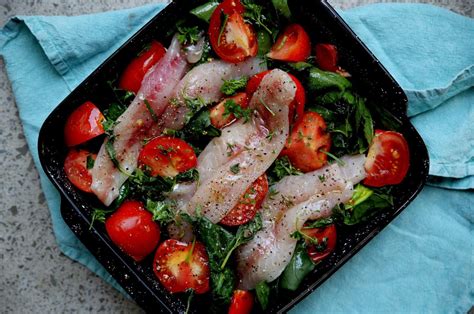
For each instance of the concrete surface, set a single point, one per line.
(34, 275)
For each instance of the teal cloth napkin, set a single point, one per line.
(423, 261)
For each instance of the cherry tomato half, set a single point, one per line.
(388, 159)
(300, 96)
(326, 242)
(167, 156)
(75, 166)
(217, 114)
(241, 303)
(133, 230)
(307, 141)
(132, 77)
(181, 266)
(327, 56)
(249, 203)
(83, 124)
(293, 45)
(231, 38)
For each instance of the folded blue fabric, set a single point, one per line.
(424, 260)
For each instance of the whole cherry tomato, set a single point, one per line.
(132, 229)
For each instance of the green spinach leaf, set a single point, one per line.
(320, 80)
(263, 293)
(300, 265)
(205, 11)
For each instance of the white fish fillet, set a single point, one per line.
(300, 198)
(220, 188)
(204, 82)
(134, 124)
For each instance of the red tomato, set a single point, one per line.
(300, 96)
(133, 230)
(132, 77)
(76, 170)
(218, 119)
(167, 156)
(181, 266)
(307, 141)
(293, 45)
(327, 238)
(83, 124)
(241, 303)
(236, 40)
(326, 56)
(249, 203)
(388, 159)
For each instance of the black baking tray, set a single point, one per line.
(370, 79)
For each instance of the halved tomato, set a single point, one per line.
(75, 166)
(297, 104)
(388, 159)
(132, 229)
(218, 117)
(231, 38)
(132, 77)
(181, 266)
(167, 156)
(326, 238)
(307, 143)
(249, 203)
(293, 45)
(241, 303)
(83, 124)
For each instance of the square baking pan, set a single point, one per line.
(369, 78)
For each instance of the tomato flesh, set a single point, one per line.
(236, 40)
(388, 159)
(133, 230)
(132, 76)
(241, 303)
(326, 242)
(293, 45)
(307, 143)
(217, 115)
(249, 203)
(75, 166)
(297, 104)
(83, 124)
(167, 156)
(179, 266)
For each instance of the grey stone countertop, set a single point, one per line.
(34, 275)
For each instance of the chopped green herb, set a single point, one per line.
(231, 107)
(230, 149)
(163, 212)
(230, 87)
(270, 136)
(322, 178)
(235, 169)
(153, 115)
(99, 215)
(272, 193)
(253, 14)
(188, 35)
(281, 168)
(339, 161)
